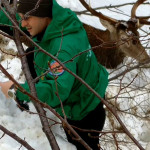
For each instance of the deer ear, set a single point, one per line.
(108, 25)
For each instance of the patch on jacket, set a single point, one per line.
(55, 68)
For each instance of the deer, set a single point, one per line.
(121, 38)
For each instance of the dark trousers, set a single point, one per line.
(94, 120)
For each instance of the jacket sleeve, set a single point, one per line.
(47, 88)
(4, 20)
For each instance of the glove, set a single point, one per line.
(22, 105)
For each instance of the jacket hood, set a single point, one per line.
(64, 21)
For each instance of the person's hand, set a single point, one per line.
(5, 86)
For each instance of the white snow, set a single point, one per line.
(28, 126)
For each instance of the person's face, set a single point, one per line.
(33, 24)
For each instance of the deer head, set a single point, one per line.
(119, 40)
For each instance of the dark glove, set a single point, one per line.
(22, 105)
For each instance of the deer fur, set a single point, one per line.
(107, 55)
(115, 44)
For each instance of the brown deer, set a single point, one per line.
(121, 38)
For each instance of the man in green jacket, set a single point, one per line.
(58, 31)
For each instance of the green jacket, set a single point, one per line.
(64, 38)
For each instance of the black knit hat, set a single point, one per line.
(44, 9)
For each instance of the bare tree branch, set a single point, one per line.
(18, 139)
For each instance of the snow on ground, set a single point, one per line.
(28, 126)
